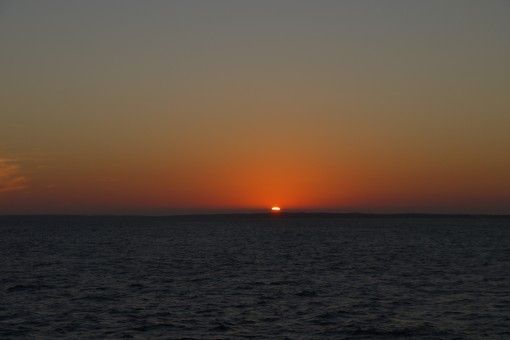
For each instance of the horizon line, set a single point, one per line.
(266, 214)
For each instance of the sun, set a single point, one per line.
(275, 209)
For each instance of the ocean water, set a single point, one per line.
(255, 276)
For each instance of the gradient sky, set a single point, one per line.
(198, 106)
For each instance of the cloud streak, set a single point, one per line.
(11, 178)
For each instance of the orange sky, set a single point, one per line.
(187, 107)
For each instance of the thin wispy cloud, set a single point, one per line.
(11, 178)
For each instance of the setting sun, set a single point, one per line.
(275, 209)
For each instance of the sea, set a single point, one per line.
(261, 276)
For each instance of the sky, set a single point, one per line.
(163, 107)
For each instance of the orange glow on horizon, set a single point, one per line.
(275, 209)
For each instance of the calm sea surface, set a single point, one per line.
(260, 277)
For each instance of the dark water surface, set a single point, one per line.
(261, 277)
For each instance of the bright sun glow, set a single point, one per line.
(275, 209)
